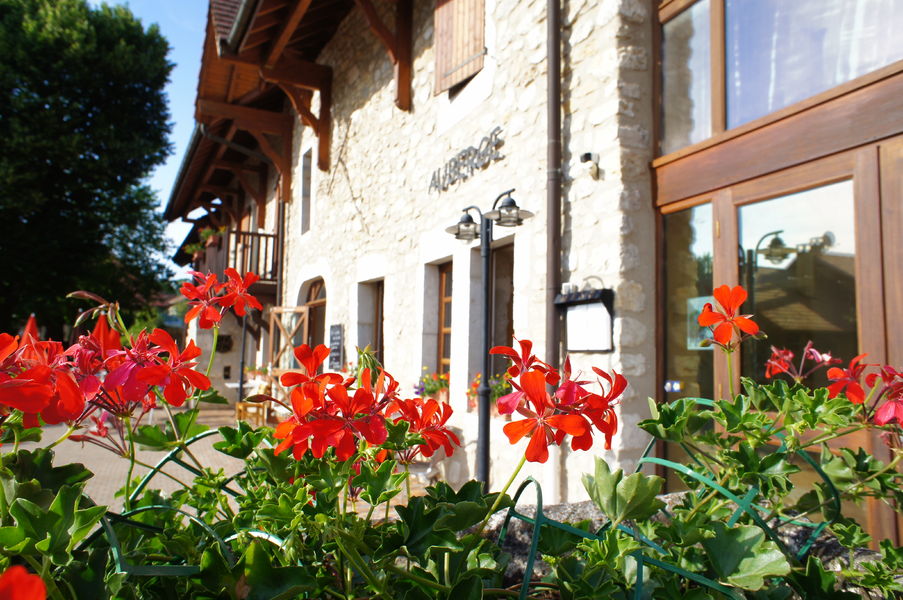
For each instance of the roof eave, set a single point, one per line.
(171, 213)
(240, 25)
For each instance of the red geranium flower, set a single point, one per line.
(848, 380)
(177, 375)
(724, 321)
(428, 418)
(542, 424)
(17, 583)
(779, 362)
(237, 295)
(203, 298)
(524, 360)
(125, 367)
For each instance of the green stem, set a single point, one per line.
(730, 374)
(708, 497)
(15, 440)
(826, 437)
(162, 472)
(500, 592)
(407, 480)
(62, 439)
(42, 570)
(128, 480)
(498, 499)
(212, 350)
(417, 578)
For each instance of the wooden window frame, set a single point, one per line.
(853, 134)
(379, 289)
(443, 354)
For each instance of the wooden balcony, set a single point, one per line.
(256, 253)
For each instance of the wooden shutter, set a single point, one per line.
(459, 41)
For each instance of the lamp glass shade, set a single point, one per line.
(508, 213)
(465, 229)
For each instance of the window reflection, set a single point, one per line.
(688, 286)
(686, 78)
(780, 52)
(797, 260)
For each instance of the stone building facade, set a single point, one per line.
(658, 171)
(373, 216)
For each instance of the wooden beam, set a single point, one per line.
(300, 73)
(256, 192)
(300, 99)
(324, 128)
(220, 191)
(398, 44)
(280, 159)
(285, 34)
(231, 165)
(245, 117)
(379, 28)
(404, 25)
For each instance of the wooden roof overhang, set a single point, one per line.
(253, 50)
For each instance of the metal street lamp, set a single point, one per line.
(506, 213)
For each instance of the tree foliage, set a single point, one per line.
(83, 120)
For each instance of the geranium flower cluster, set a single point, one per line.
(571, 409)
(781, 363)
(209, 298)
(330, 411)
(99, 380)
(885, 389)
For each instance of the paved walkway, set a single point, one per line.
(110, 469)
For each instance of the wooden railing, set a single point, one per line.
(254, 252)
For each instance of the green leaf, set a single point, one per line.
(818, 582)
(211, 396)
(558, 542)
(742, 556)
(239, 442)
(151, 437)
(622, 498)
(26, 465)
(675, 421)
(379, 485)
(469, 588)
(269, 582)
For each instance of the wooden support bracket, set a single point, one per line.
(299, 79)
(398, 44)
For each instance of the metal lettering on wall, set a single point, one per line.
(464, 163)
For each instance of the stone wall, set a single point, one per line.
(374, 216)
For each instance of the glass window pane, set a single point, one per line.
(780, 52)
(798, 255)
(688, 286)
(687, 82)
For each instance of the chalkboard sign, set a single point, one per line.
(335, 348)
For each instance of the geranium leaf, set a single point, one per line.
(622, 498)
(742, 556)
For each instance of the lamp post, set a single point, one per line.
(506, 213)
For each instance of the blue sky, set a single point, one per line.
(182, 22)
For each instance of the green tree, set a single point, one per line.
(83, 120)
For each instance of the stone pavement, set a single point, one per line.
(110, 469)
